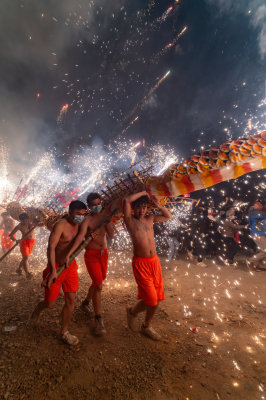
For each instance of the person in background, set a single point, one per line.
(7, 225)
(26, 244)
(230, 245)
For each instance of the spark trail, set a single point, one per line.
(145, 98)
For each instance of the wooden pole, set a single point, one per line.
(15, 245)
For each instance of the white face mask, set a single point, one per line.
(96, 209)
(78, 219)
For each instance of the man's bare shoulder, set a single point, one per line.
(149, 218)
(87, 220)
(61, 224)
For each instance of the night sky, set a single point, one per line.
(102, 57)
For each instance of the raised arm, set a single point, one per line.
(165, 214)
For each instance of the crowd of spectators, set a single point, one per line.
(219, 231)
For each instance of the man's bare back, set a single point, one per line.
(24, 229)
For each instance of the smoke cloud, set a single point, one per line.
(255, 9)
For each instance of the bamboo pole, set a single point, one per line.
(15, 245)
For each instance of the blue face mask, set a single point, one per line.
(78, 219)
(96, 209)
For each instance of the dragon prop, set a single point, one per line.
(228, 161)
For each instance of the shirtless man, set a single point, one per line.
(7, 225)
(146, 264)
(60, 241)
(95, 257)
(26, 245)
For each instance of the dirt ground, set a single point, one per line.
(212, 323)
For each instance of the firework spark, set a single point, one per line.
(62, 113)
(156, 57)
(145, 98)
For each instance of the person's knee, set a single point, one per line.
(49, 304)
(98, 288)
(152, 302)
(70, 301)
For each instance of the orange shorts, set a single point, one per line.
(148, 275)
(68, 279)
(96, 262)
(6, 242)
(26, 247)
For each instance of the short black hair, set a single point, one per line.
(93, 196)
(143, 200)
(23, 216)
(4, 214)
(77, 205)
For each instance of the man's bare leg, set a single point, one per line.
(25, 263)
(19, 270)
(139, 307)
(90, 293)
(149, 314)
(97, 299)
(146, 328)
(99, 328)
(67, 311)
(132, 312)
(87, 302)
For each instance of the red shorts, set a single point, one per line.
(6, 242)
(68, 279)
(96, 262)
(148, 275)
(26, 247)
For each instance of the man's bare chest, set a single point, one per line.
(68, 236)
(142, 227)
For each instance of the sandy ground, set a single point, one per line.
(212, 321)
